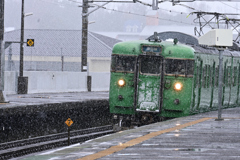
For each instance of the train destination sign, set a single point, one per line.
(30, 42)
(69, 122)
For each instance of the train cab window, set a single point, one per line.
(123, 63)
(181, 67)
(150, 65)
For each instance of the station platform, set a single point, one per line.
(41, 114)
(16, 100)
(193, 137)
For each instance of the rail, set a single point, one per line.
(32, 145)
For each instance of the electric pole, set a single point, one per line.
(21, 41)
(84, 36)
(2, 55)
(22, 81)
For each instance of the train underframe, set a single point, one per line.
(121, 121)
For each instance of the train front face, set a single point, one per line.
(178, 80)
(143, 83)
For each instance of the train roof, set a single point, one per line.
(214, 51)
(186, 48)
(169, 49)
(192, 41)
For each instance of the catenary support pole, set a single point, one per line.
(21, 41)
(84, 36)
(220, 85)
(2, 54)
(22, 81)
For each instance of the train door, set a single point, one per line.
(149, 86)
(197, 85)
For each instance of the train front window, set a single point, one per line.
(151, 65)
(123, 63)
(179, 67)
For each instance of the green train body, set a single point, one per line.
(151, 73)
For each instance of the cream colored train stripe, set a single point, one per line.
(138, 140)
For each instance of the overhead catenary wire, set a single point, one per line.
(230, 6)
(137, 14)
(146, 4)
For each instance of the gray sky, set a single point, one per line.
(52, 11)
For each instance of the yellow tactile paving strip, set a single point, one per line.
(138, 140)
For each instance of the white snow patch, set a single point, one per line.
(52, 151)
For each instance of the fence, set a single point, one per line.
(54, 81)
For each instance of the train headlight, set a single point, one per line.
(178, 86)
(121, 82)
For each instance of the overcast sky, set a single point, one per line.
(51, 8)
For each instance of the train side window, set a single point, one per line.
(229, 76)
(204, 77)
(208, 76)
(196, 78)
(226, 77)
(213, 75)
(216, 76)
(235, 76)
(190, 67)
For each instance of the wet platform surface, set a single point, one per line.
(194, 137)
(48, 98)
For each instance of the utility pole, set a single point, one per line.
(84, 65)
(2, 55)
(84, 36)
(21, 41)
(22, 81)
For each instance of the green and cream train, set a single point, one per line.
(152, 79)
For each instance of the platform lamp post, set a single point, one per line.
(220, 39)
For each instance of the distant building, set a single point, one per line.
(56, 50)
(133, 26)
(152, 18)
(152, 24)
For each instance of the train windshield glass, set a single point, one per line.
(123, 63)
(182, 67)
(151, 65)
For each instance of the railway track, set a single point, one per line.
(32, 145)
